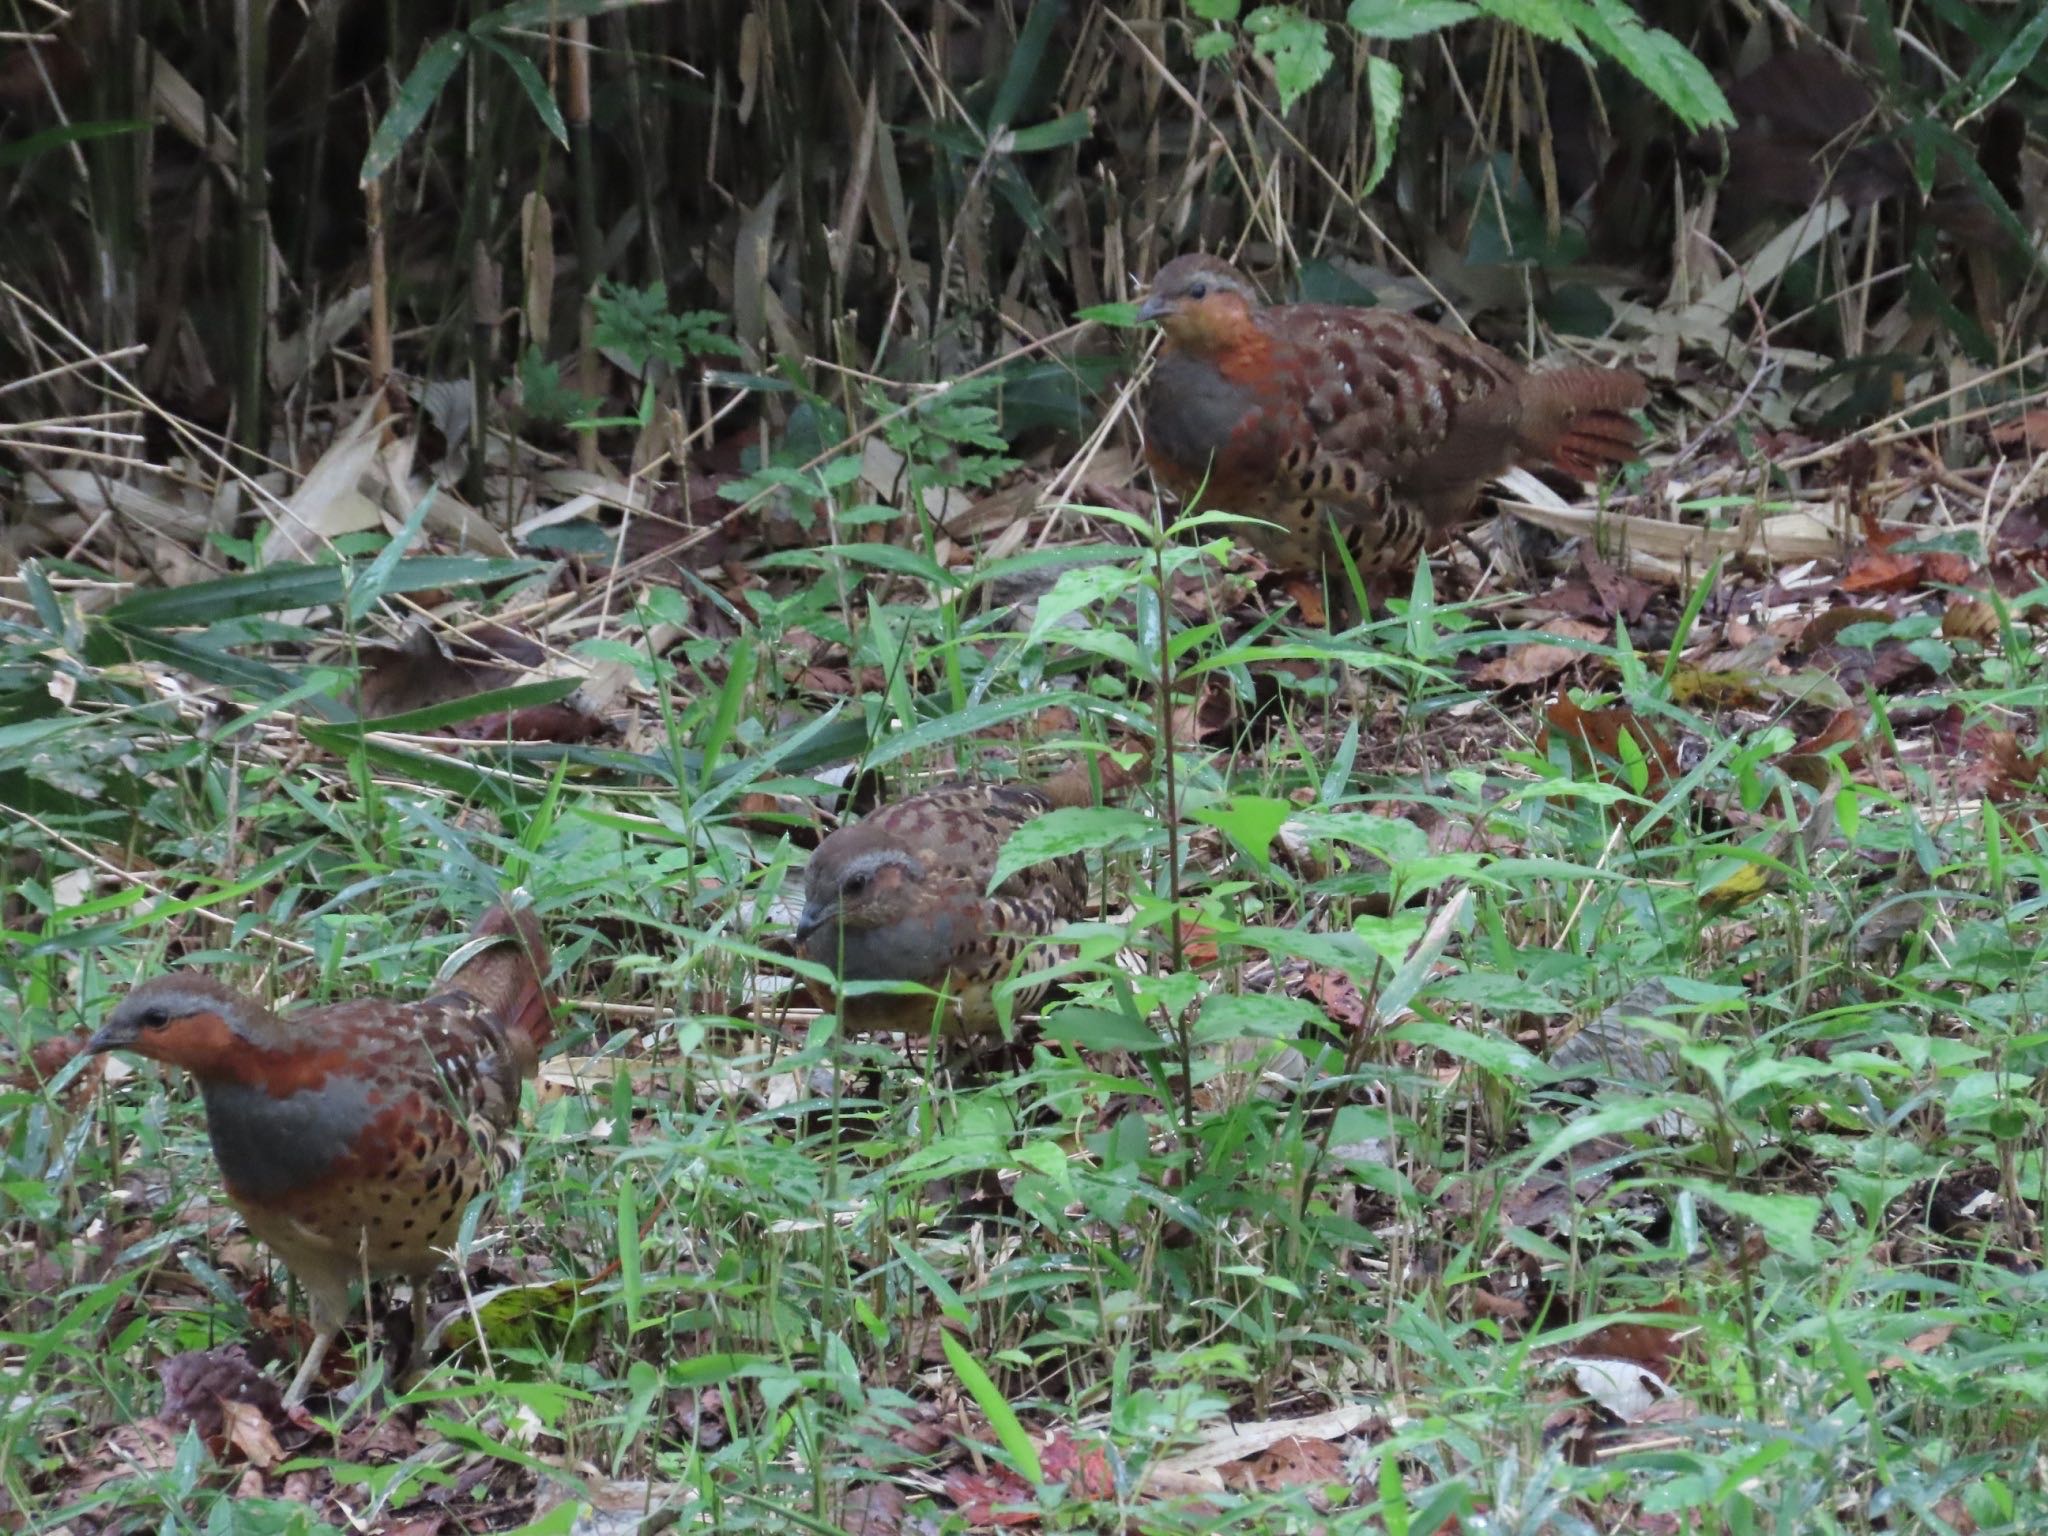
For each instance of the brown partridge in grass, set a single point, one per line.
(1291, 411)
(351, 1137)
(902, 896)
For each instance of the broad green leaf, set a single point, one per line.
(953, 725)
(2015, 56)
(1489, 1052)
(28, 732)
(22, 151)
(1396, 19)
(1789, 1221)
(1121, 315)
(1250, 821)
(214, 665)
(531, 15)
(1027, 61)
(1384, 84)
(1215, 10)
(1228, 1016)
(1659, 62)
(416, 99)
(1073, 829)
(1298, 45)
(1548, 19)
(1070, 129)
(366, 589)
(283, 587)
(732, 699)
(995, 1408)
(1082, 588)
(950, 1304)
(893, 558)
(1098, 1029)
(454, 775)
(1386, 837)
(528, 76)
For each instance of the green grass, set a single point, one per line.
(1202, 1198)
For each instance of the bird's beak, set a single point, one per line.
(116, 1034)
(813, 919)
(1156, 307)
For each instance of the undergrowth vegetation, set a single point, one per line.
(1560, 1056)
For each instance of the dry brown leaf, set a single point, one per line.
(1536, 662)
(247, 1430)
(1594, 737)
(1295, 1462)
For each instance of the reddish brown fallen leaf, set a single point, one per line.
(1205, 717)
(1502, 1309)
(1823, 627)
(2012, 771)
(2025, 433)
(1807, 760)
(1295, 1462)
(1593, 737)
(1081, 1467)
(993, 1498)
(1522, 665)
(1338, 996)
(1881, 567)
(1882, 571)
(1920, 1344)
(1308, 598)
(872, 1509)
(249, 1432)
(834, 681)
(1970, 618)
(1197, 951)
(1653, 1348)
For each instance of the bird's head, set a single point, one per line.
(188, 1021)
(858, 888)
(1200, 300)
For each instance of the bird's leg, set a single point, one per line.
(295, 1394)
(416, 1357)
(327, 1299)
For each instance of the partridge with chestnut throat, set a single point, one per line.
(351, 1137)
(902, 896)
(1292, 412)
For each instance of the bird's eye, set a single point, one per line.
(155, 1018)
(854, 885)
(1198, 290)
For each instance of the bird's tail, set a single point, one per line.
(1075, 784)
(509, 977)
(1577, 419)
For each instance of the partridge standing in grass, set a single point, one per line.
(352, 1136)
(1289, 412)
(903, 896)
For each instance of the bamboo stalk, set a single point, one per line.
(252, 249)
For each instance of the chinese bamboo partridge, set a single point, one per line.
(1290, 412)
(352, 1136)
(902, 896)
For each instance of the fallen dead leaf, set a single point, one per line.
(1295, 1462)
(1534, 662)
(248, 1431)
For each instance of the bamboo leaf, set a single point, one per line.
(536, 89)
(1002, 1418)
(278, 589)
(416, 99)
(364, 591)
